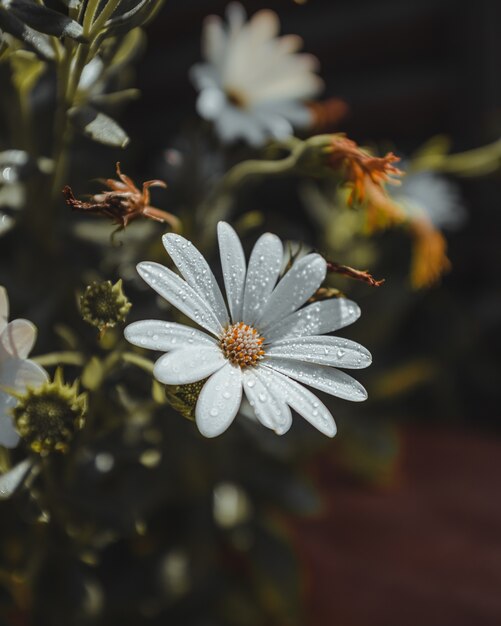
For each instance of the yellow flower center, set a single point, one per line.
(242, 345)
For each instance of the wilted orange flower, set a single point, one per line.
(124, 202)
(429, 256)
(360, 168)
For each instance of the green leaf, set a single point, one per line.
(72, 4)
(116, 98)
(26, 70)
(36, 41)
(92, 374)
(46, 20)
(137, 16)
(127, 50)
(98, 126)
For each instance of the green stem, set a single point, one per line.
(59, 358)
(139, 361)
(486, 159)
(105, 14)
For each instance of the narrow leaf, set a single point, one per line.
(36, 41)
(46, 20)
(98, 126)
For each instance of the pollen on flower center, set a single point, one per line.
(242, 345)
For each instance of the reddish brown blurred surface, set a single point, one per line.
(425, 553)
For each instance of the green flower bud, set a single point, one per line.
(104, 305)
(184, 398)
(47, 417)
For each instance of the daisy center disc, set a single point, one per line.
(242, 345)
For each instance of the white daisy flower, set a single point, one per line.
(430, 195)
(253, 84)
(16, 370)
(264, 344)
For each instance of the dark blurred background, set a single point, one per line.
(422, 546)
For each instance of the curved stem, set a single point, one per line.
(59, 358)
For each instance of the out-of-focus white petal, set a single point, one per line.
(20, 373)
(9, 438)
(267, 402)
(188, 365)
(295, 288)
(210, 103)
(262, 275)
(6, 223)
(165, 336)
(324, 350)
(322, 377)
(204, 76)
(317, 318)
(235, 124)
(4, 308)
(214, 40)
(305, 403)
(236, 16)
(296, 113)
(264, 25)
(234, 268)
(12, 479)
(177, 291)
(219, 401)
(18, 338)
(197, 273)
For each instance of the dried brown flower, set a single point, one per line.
(350, 272)
(123, 202)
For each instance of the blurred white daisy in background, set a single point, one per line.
(16, 371)
(264, 346)
(253, 84)
(432, 196)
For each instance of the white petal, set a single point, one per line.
(15, 374)
(197, 273)
(320, 377)
(305, 403)
(213, 40)
(165, 336)
(317, 318)
(204, 76)
(19, 337)
(264, 25)
(177, 291)
(322, 349)
(268, 404)
(9, 437)
(233, 264)
(262, 275)
(21, 373)
(219, 401)
(6, 223)
(233, 124)
(11, 480)
(188, 365)
(299, 284)
(4, 308)
(211, 103)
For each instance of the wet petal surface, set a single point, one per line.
(219, 401)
